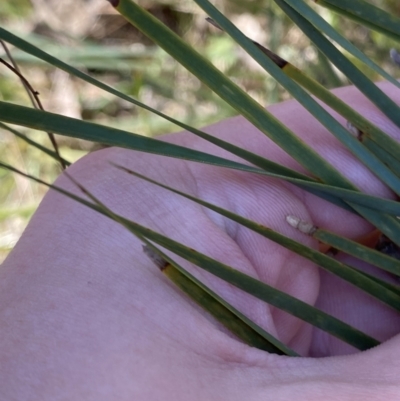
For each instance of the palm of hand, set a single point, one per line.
(103, 318)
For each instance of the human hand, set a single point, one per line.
(86, 316)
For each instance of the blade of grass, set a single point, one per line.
(357, 120)
(237, 323)
(230, 92)
(374, 139)
(93, 132)
(32, 94)
(226, 314)
(370, 131)
(364, 84)
(307, 12)
(366, 14)
(335, 267)
(365, 155)
(306, 100)
(45, 150)
(359, 79)
(339, 243)
(246, 283)
(230, 317)
(85, 130)
(372, 202)
(356, 198)
(387, 224)
(391, 287)
(360, 251)
(75, 128)
(54, 61)
(282, 301)
(356, 249)
(252, 158)
(382, 152)
(81, 129)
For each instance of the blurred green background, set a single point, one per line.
(90, 35)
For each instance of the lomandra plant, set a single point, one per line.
(371, 145)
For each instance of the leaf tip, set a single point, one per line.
(155, 258)
(212, 22)
(114, 3)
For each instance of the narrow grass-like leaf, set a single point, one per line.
(62, 125)
(366, 14)
(362, 252)
(86, 130)
(100, 57)
(382, 146)
(230, 92)
(81, 129)
(37, 52)
(246, 155)
(48, 152)
(357, 120)
(303, 97)
(226, 314)
(307, 12)
(364, 84)
(270, 295)
(373, 239)
(246, 283)
(29, 48)
(392, 161)
(367, 129)
(365, 155)
(391, 287)
(332, 265)
(43, 120)
(254, 159)
(230, 317)
(387, 224)
(356, 198)
(32, 94)
(288, 304)
(251, 157)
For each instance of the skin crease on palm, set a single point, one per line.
(85, 315)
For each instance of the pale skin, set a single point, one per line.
(85, 315)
